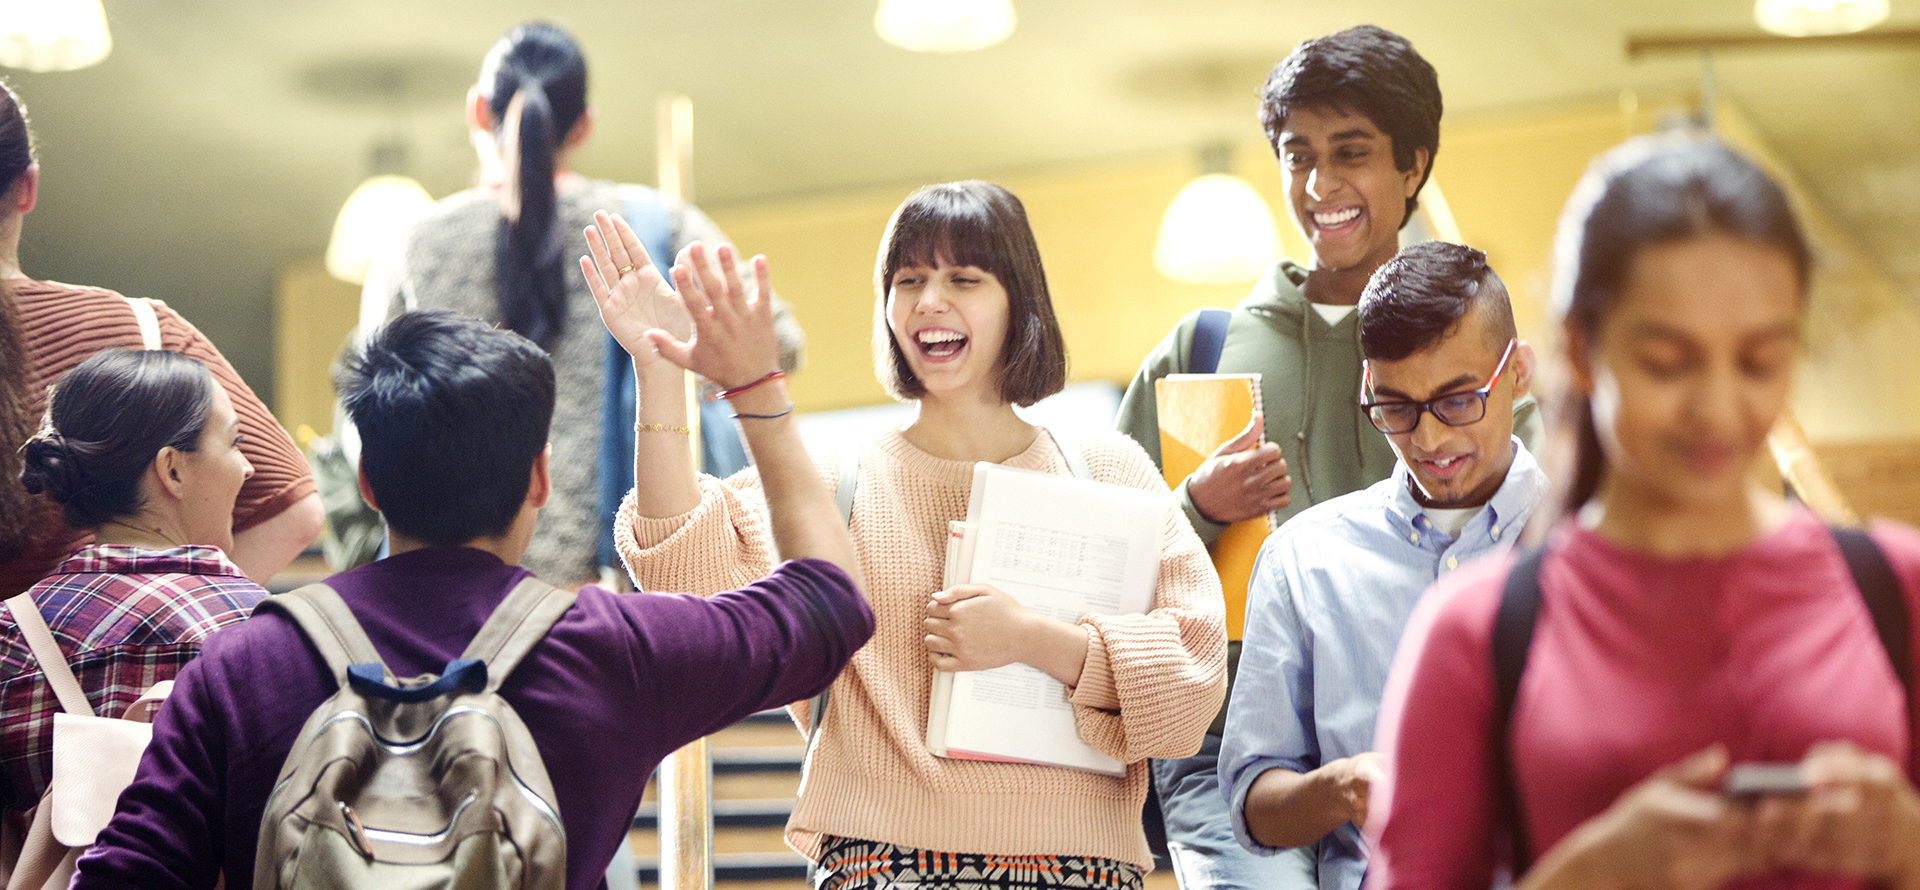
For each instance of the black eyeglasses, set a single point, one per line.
(1453, 409)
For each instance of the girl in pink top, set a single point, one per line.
(965, 330)
(1689, 618)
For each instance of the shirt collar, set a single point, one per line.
(119, 559)
(1509, 507)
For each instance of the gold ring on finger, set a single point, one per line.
(625, 269)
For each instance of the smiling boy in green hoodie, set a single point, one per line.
(1354, 121)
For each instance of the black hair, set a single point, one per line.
(16, 138)
(1648, 191)
(1419, 296)
(973, 223)
(535, 83)
(18, 381)
(106, 421)
(452, 414)
(1366, 70)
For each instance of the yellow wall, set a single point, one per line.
(1095, 226)
(1505, 178)
(313, 313)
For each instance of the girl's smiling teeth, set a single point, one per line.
(1334, 219)
(939, 342)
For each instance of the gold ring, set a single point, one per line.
(625, 269)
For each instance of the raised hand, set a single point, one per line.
(733, 342)
(632, 293)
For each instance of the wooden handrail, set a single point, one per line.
(686, 777)
(1805, 478)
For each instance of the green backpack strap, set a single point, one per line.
(323, 616)
(516, 626)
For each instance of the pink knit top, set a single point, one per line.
(1151, 682)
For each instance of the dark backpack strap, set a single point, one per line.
(323, 616)
(516, 626)
(1209, 336)
(1512, 636)
(1887, 603)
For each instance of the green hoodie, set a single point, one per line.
(1309, 389)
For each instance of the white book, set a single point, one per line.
(1063, 547)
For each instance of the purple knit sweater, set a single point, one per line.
(620, 682)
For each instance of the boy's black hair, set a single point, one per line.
(1414, 300)
(1363, 70)
(452, 414)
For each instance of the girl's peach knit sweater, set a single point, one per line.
(1151, 683)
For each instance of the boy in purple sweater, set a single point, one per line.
(454, 418)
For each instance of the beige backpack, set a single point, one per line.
(422, 783)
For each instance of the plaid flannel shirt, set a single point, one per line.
(126, 618)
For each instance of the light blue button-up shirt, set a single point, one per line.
(1330, 595)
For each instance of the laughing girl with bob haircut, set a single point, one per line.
(964, 329)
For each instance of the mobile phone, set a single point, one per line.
(1751, 780)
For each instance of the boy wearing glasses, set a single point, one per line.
(1332, 588)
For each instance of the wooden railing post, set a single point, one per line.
(686, 777)
(686, 819)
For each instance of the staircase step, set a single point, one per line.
(767, 759)
(730, 813)
(738, 867)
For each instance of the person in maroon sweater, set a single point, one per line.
(453, 417)
(1690, 619)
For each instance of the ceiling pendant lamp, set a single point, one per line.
(375, 216)
(53, 35)
(944, 26)
(1217, 230)
(1812, 18)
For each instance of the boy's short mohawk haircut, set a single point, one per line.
(1365, 70)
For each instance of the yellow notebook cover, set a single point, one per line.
(1197, 413)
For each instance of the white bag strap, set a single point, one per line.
(53, 663)
(1070, 452)
(149, 322)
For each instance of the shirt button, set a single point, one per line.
(1496, 532)
(1415, 537)
(1452, 563)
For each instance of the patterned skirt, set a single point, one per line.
(848, 864)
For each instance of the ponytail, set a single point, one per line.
(532, 286)
(535, 83)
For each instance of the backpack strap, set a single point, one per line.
(842, 500)
(1070, 452)
(148, 319)
(323, 616)
(519, 623)
(1512, 636)
(1885, 601)
(53, 662)
(1520, 608)
(849, 480)
(1209, 337)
